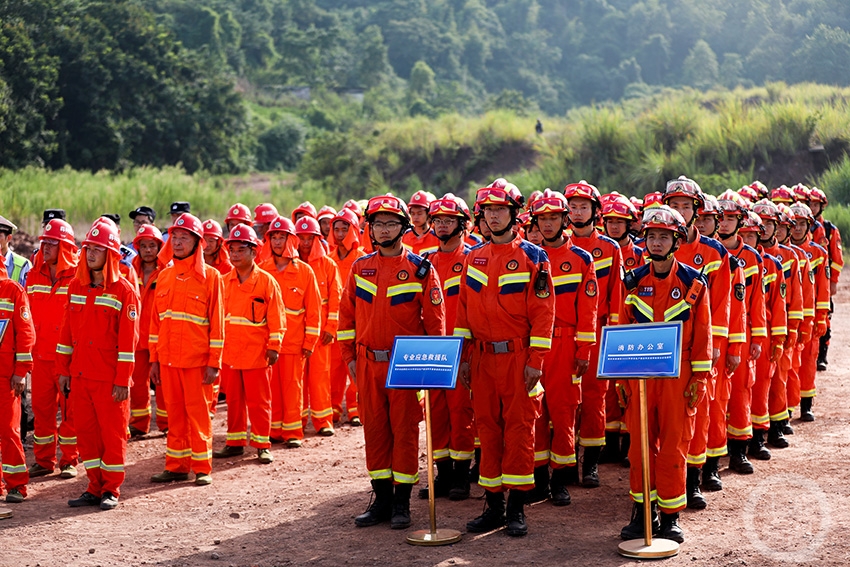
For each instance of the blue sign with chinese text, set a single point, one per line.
(651, 350)
(426, 362)
(3, 324)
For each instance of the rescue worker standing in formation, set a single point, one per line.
(420, 237)
(253, 328)
(186, 340)
(827, 235)
(666, 290)
(47, 288)
(506, 314)
(95, 355)
(389, 292)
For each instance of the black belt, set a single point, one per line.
(378, 355)
(503, 347)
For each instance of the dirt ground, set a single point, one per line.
(299, 511)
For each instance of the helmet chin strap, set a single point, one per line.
(507, 228)
(668, 255)
(452, 234)
(583, 224)
(535, 222)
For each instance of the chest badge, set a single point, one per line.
(698, 260)
(457, 268)
(512, 265)
(403, 275)
(630, 262)
(597, 252)
(566, 267)
(676, 293)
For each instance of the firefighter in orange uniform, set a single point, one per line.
(420, 238)
(17, 338)
(148, 243)
(345, 232)
(95, 356)
(237, 214)
(215, 252)
(828, 236)
(253, 330)
(302, 304)
(575, 287)
(47, 288)
(186, 340)
(585, 208)
(506, 314)
(325, 216)
(305, 209)
(390, 292)
(317, 374)
(667, 290)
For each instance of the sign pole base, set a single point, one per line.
(658, 549)
(441, 537)
(5, 513)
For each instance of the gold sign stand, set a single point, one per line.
(5, 513)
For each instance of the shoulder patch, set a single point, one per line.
(436, 296)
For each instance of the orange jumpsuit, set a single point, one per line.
(254, 323)
(452, 428)
(775, 293)
(427, 243)
(47, 300)
(832, 244)
(140, 393)
(576, 288)
(819, 275)
(607, 261)
(317, 374)
(96, 349)
(507, 314)
(671, 421)
(804, 334)
(221, 261)
(383, 298)
(302, 304)
(339, 370)
(187, 337)
(16, 346)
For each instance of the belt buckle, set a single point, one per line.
(381, 355)
(501, 347)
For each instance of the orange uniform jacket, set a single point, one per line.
(753, 266)
(575, 286)
(222, 264)
(345, 264)
(449, 267)
(187, 322)
(100, 330)
(147, 292)
(47, 302)
(775, 296)
(710, 258)
(330, 291)
(737, 311)
(17, 342)
(793, 284)
(253, 319)
(607, 261)
(632, 255)
(302, 303)
(819, 275)
(808, 289)
(832, 244)
(428, 243)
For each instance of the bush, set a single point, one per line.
(282, 145)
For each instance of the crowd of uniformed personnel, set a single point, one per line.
(292, 319)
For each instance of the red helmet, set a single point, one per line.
(710, 206)
(326, 212)
(760, 188)
(239, 212)
(732, 203)
(818, 196)
(387, 204)
(212, 228)
(354, 206)
(188, 221)
(451, 206)
(499, 183)
(281, 224)
(637, 202)
(802, 211)
(347, 215)
(786, 215)
(663, 216)
(583, 190)
(243, 233)
(536, 194)
(507, 195)
(265, 213)
(752, 223)
(782, 194)
(148, 231)
(619, 208)
(801, 192)
(421, 199)
(305, 208)
(307, 225)
(60, 230)
(103, 234)
(684, 187)
(524, 219)
(651, 200)
(549, 202)
(748, 193)
(766, 210)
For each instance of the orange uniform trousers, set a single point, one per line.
(140, 396)
(452, 434)
(777, 399)
(14, 465)
(765, 370)
(287, 397)
(562, 396)
(46, 397)
(670, 425)
(739, 420)
(593, 391)
(317, 388)
(793, 386)
(101, 434)
(249, 397)
(390, 423)
(615, 420)
(504, 414)
(698, 448)
(808, 368)
(339, 378)
(189, 443)
(718, 403)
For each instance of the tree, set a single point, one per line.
(422, 82)
(700, 68)
(654, 58)
(374, 65)
(731, 70)
(823, 57)
(282, 145)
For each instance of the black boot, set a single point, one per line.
(589, 469)
(473, 470)
(756, 446)
(460, 485)
(540, 492)
(738, 461)
(806, 409)
(381, 507)
(786, 424)
(442, 482)
(625, 443)
(823, 349)
(401, 507)
(775, 436)
(493, 517)
(670, 528)
(515, 514)
(572, 476)
(696, 501)
(560, 494)
(635, 528)
(710, 476)
(611, 451)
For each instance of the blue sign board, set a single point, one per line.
(3, 324)
(426, 362)
(651, 350)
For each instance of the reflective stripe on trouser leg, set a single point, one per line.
(45, 399)
(761, 388)
(777, 397)
(793, 383)
(716, 446)
(258, 392)
(287, 397)
(698, 450)
(237, 410)
(738, 424)
(808, 369)
(14, 465)
(339, 380)
(560, 401)
(591, 429)
(189, 442)
(161, 410)
(441, 428)
(317, 387)
(140, 392)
